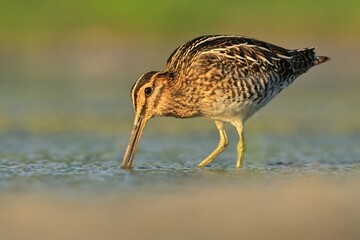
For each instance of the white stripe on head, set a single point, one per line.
(141, 81)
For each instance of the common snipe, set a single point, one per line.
(224, 78)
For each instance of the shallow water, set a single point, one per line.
(71, 186)
(88, 163)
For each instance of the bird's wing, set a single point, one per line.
(248, 60)
(249, 52)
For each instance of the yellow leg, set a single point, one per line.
(241, 147)
(221, 146)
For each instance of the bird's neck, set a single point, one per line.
(175, 104)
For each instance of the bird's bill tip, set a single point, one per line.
(139, 124)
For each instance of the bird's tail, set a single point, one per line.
(320, 60)
(305, 58)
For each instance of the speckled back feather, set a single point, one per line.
(246, 50)
(258, 69)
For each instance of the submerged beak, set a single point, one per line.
(136, 133)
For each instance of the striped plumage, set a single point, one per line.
(221, 77)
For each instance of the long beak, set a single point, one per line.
(136, 133)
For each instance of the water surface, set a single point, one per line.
(89, 163)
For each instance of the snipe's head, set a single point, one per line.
(147, 96)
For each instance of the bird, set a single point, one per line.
(224, 78)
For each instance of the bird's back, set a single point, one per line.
(246, 51)
(247, 71)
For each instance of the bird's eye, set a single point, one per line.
(148, 91)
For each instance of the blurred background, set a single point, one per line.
(66, 70)
(69, 66)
